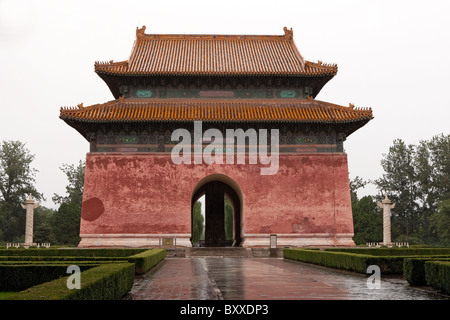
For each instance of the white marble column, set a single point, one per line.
(386, 206)
(30, 205)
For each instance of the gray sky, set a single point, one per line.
(392, 56)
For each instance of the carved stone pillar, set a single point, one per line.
(386, 206)
(30, 205)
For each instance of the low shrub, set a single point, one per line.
(420, 246)
(352, 261)
(146, 260)
(59, 258)
(395, 251)
(17, 277)
(437, 275)
(105, 282)
(346, 261)
(388, 264)
(74, 252)
(414, 268)
(41, 271)
(7, 295)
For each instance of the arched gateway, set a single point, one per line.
(217, 189)
(239, 110)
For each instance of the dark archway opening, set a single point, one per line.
(218, 197)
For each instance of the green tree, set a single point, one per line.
(66, 224)
(426, 189)
(198, 223)
(74, 190)
(439, 148)
(355, 184)
(399, 182)
(228, 223)
(43, 231)
(367, 220)
(417, 179)
(17, 179)
(438, 189)
(441, 222)
(66, 221)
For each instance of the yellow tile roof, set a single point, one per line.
(163, 54)
(219, 110)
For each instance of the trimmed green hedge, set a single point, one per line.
(394, 251)
(65, 262)
(347, 261)
(17, 277)
(414, 268)
(44, 271)
(146, 260)
(437, 275)
(105, 282)
(75, 252)
(59, 258)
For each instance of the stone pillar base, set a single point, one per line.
(300, 240)
(28, 244)
(135, 240)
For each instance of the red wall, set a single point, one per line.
(148, 194)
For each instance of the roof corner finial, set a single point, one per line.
(140, 31)
(288, 32)
(351, 106)
(80, 106)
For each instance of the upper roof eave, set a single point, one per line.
(121, 69)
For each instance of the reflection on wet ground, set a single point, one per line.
(211, 278)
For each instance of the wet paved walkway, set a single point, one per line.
(210, 278)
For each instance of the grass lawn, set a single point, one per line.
(6, 295)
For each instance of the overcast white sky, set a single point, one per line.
(392, 56)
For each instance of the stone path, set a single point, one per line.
(174, 279)
(212, 278)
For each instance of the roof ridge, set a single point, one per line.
(320, 64)
(111, 62)
(141, 35)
